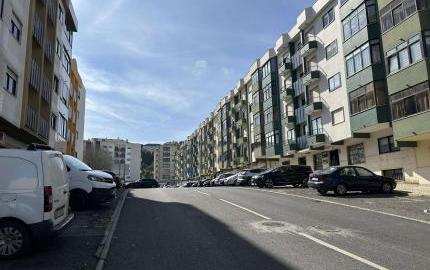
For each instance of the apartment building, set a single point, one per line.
(119, 156)
(347, 84)
(32, 67)
(164, 162)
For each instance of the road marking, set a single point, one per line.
(344, 252)
(246, 209)
(346, 205)
(201, 192)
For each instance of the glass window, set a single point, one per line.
(393, 63)
(403, 58)
(398, 14)
(257, 119)
(348, 171)
(356, 154)
(331, 50)
(334, 82)
(267, 92)
(396, 174)
(268, 116)
(410, 101)
(11, 82)
(350, 66)
(317, 126)
(360, 58)
(416, 52)
(255, 98)
(15, 27)
(365, 53)
(387, 145)
(363, 172)
(328, 18)
(346, 30)
(337, 116)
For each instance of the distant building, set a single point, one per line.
(117, 155)
(164, 162)
(151, 147)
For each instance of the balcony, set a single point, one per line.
(46, 90)
(412, 128)
(31, 119)
(34, 79)
(288, 92)
(285, 67)
(38, 29)
(302, 142)
(290, 147)
(309, 48)
(311, 76)
(238, 106)
(316, 140)
(44, 128)
(289, 119)
(371, 120)
(49, 51)
(315, 107)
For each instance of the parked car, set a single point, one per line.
(219, 180)
(244, 176)
(144, 183)
(118, 182)
(34, 199)
(195, 184)
(87, 185)
(207, 183)
(188, 184)
(295, 175)
(350, 178)
(231, 180)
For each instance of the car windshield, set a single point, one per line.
(76, 163)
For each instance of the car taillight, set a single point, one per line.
(47, 199)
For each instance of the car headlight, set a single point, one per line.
(98, 179)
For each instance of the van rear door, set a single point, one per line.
(56, 177)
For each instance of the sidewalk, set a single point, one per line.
(414, 189)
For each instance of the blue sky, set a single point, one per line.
(154, 69)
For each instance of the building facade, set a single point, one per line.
(164, 162)
(119, 156)
(35, 52)
(347, 84)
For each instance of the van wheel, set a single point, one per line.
(340, 190)
(78, 200)
(14, 239)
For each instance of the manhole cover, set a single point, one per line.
(273, 224)
(326, 229)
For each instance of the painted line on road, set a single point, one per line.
(345, 205)
(344, 252)
(246, 209)
(201, 192)
(104, 246)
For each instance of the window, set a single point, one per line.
(363, 172)
(334, 82)
(62, 126)
(396, 174)
(60, 14)
(166, 159)
(268, 116)
(58, 48)
(255, 98)
(257, 138)
(66, 60)
(56, 84)
(427, 42)
(257, 119)
(166, 154)
(367, 97)
(317, 126)
(387, 145)
(291, 136)
(363, 57)
(15, 27)
(358, 19)
(404, 54)
(272, 138)
(11, 82)
(254, 78)
(331, 50)
(397, 11)
(337, 116)
(348, 171)
(166, 165)
(356, 154)
(266, 70)
(328, 18)
(411, 101)
(166, 148)
(267, 92)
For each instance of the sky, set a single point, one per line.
(155, 69)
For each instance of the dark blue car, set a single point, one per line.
(350, 178)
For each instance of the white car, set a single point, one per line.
(88, 185)
(231, 180)
(34, 199)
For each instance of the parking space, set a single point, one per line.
(75, 248)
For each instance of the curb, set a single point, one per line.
(103, 249)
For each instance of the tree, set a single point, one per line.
(98, 159)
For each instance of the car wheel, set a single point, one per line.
(322, 191)
(268, 183)
(14, 239)
(304, 183)
(387, 188)
(78, 200)
(340, 190)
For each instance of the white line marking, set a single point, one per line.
(344, 252)
(201, 192)
(346, 205)
(246, 209)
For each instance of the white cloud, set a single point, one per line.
(198, 68)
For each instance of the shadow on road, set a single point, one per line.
(170, 235)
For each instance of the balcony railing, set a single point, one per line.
(312, 74)
(46, 90)
(51, 10)
(31, 119)
(49, 51)
(302, 142)
(309, 47)
(34, 75)
(315, 106)
(44, 128)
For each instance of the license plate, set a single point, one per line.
(314, 179)
(59, 212)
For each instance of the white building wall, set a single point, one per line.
(80, 124)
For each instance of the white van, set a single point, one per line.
(34, 199)
(88, 185)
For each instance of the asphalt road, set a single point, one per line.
(242, 228)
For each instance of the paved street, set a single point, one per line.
(247, 228)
